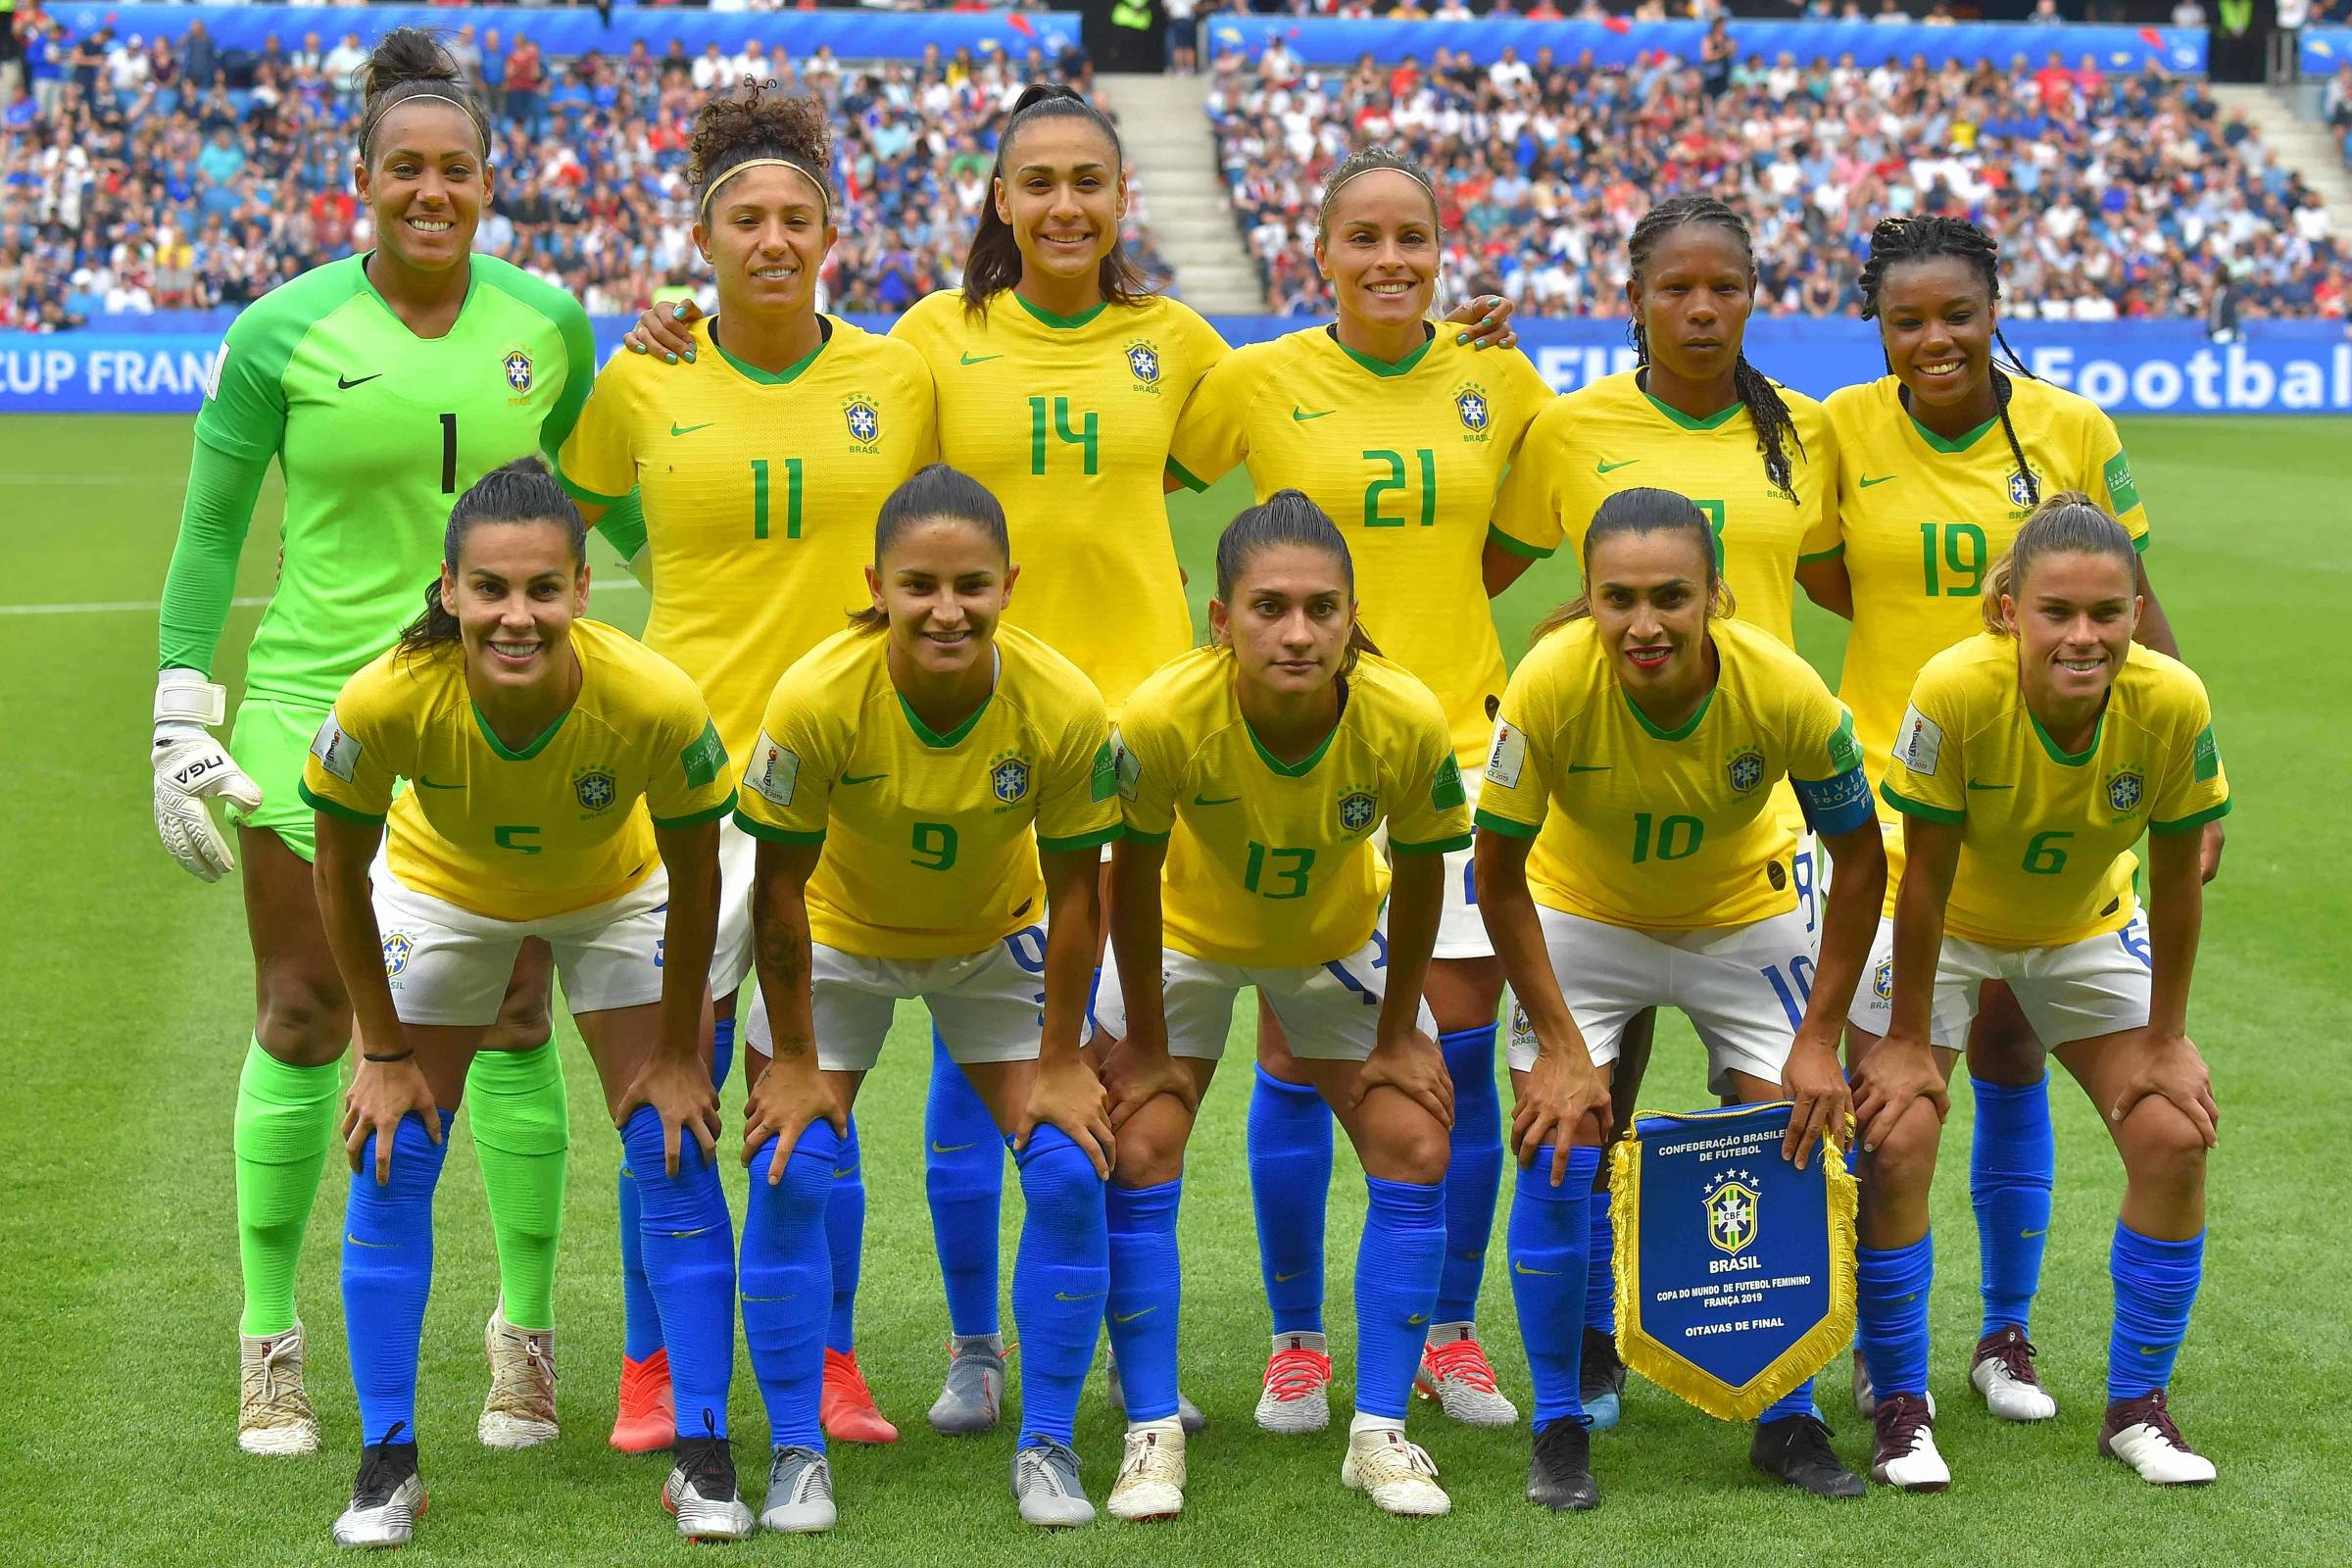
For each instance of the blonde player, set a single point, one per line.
(762, 464)
(1696, 415)
(2032, 758)
(1636, 757)
(564, 784)
(938, 762)
(1941, 461)
(1273, 758)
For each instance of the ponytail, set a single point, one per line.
(993, 263)
(521, 491)
(1639, 511)
(2068, 524)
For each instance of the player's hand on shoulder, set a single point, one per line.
(665, 330)
(192, 768)
(1411, 1064)
(1485, 323)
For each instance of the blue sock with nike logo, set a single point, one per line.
(1550, 1241)
(387, 1274)
(1473, 1171)
(1398, 1266)
(1890, 1313)
(2012, 1162)
(1061, 1278)
(639, 1317)
(1145, 1290)
(2155, 1285)
(1289, 1184)
(845, 1240)
(963, 1176)
(787, 1275)
(688, 1245)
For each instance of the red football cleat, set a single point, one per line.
(647, 1418)
(848, 1407)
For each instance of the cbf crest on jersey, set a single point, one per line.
(1009, 777)
(2021, 490)
(1142, 362)
(1357, 811)
(1745, 770)
(518, 365)
(864, 419)
(2123, 790)
(1732, 1201)
(1470, 405)
(595, 788)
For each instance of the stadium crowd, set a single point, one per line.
(144, 175)
(2113, 196)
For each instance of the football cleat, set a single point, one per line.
(1297, 1393)
(1045, 1478)
(273, 1411)
(974, 1391)
(1399, 1476)
(1795, 1449)
(1151, 1483)
(1560, 1473)
(646, 1420)
(800, 1491)
(1455, 1373)
(701, 1491)
(1600, 1379)
(1904, 1452)
(2140, 1432)
(388, 1498)
(847, 1408)
(2002, 1370)
(520, 1411)
(1185, 1411)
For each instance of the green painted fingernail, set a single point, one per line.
(1461, 337)
(690, 356)
(677, 311)
(672, 358)
(636, 348)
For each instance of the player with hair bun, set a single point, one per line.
(760, 463)
(1627, 832)
(1697, 414)
(384, 384)
(565, 785)
(1941, 461)
(1400, 434)
(1258, 772)
(2031, 758)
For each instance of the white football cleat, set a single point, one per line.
(2140, 1432)
(1298, 1394)
(388, 1498)
(1399, 1476)
(2002, 1370)
(799, 1493)
(520, 1411)
(1045, 1479)
(274, 1411)
(1151, 1483)
(1456, 1372)
(701, 1491)
(1903, 1455)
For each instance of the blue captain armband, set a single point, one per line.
(1835, 805)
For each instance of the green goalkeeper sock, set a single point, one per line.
(520, 1133)
(285, 1123)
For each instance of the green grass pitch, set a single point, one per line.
(128, 988)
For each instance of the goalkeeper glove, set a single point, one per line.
(191, 767)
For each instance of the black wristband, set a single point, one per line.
(402, 1057)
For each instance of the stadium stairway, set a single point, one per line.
(2303, 146)
(1175, 163)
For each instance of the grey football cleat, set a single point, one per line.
(388, 1498)
(1045, 1478)
(968, 1404)
(1187, 1412)
(800, 1491)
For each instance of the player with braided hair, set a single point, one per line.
(1758, 459)
(1943, 458)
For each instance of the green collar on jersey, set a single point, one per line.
(1937, 442)
(1713, 421)
(1061, 324)
(1402, 366)
(473, 280)
(1297, 769)
(931, 737)
(784, 377)
(2066, 758)
(1682, 731)
(506, 752)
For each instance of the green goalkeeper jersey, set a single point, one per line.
(376, 432)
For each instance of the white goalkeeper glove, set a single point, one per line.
(191, 767)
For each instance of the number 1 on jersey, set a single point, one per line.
(792, 498)
(449, 453)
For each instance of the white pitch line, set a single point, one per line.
(150, 606)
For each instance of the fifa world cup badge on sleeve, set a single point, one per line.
(1735, 1269)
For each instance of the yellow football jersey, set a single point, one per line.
(1661, 829)
(561, 824)
(760, 493)
(1922, 520)
(1406, 458)
(2045, 847)
(929, 845)
(1273, 864)
(1611, 436)
(1068, 420)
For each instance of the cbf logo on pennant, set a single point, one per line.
(1731, 1213)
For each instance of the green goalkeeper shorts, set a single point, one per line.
(268, 742)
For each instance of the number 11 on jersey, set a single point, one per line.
(792, 498)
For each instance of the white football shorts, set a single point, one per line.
(449, 965)
(2076, 991)
(731, 959)
(1461, 931)
(1327, 1011)
(988, 1005)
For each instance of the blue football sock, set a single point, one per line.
(1145, 1290)
(1796, 1402)
(1473, 1171)
(1600, 1268)
(688, 1247)
(2011, 1165)
(387, 1274)
(963, 1174)
(2155, 1285)
(1548, 1242)
(1060, 1277)
(787, 1276)
(844, 1240)
(1290, 1181)
(722, 1051)
(1890, 1313)
(1398, 1266)
(640, 1318)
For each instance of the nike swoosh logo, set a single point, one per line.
(839, 1174)
(1301, 416)
(2030, 1235)
(1280, 1278)
(428, 784)
(1605, 465)
(1416, 1320)
(680, 1236)
(1129, 1317)
(373, 1247)
(1083, 1295)
(754, 1301)
(1224, 800)
(868, 779)
(1974, 785)
(1518, 1268)
(2154, 1350)
(1868, 481)
(676, 429)
(1590, 768)
(938, 1147)
(980, 359)
(346, 386)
